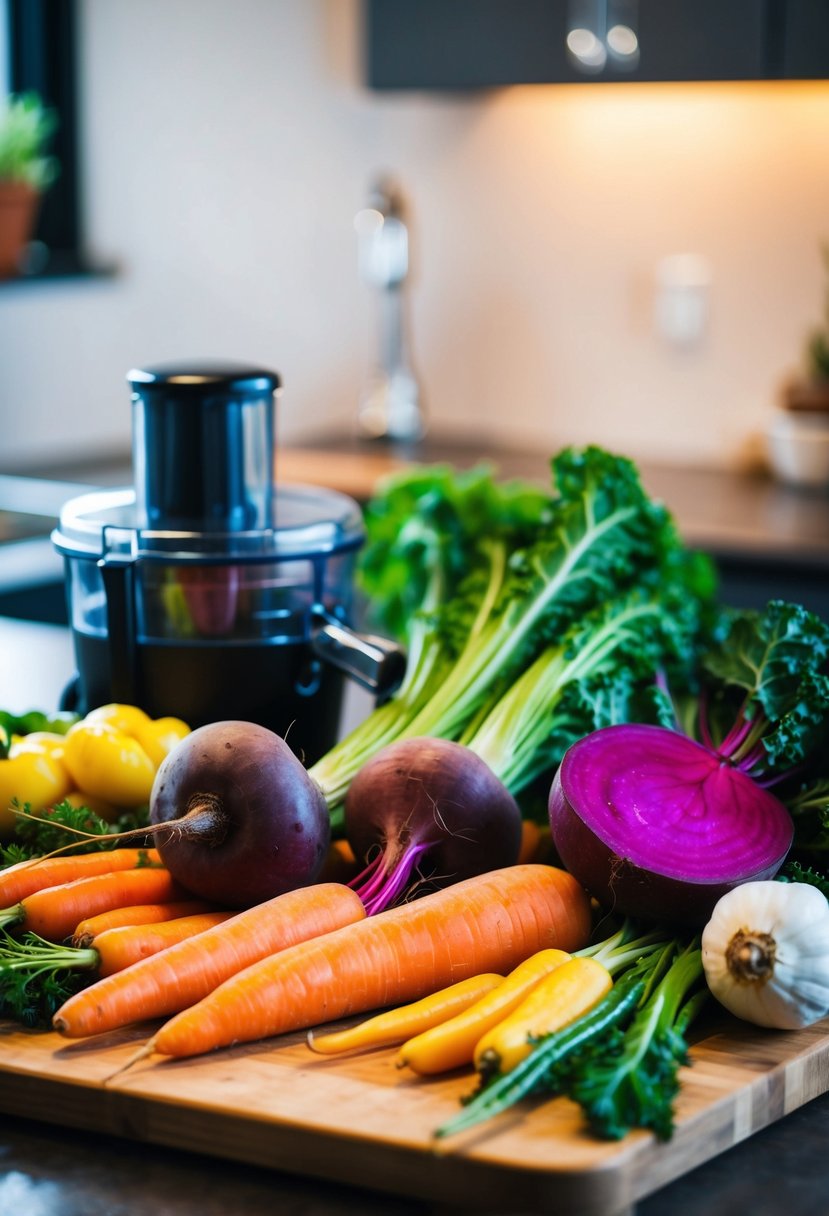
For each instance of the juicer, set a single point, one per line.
(207, 590)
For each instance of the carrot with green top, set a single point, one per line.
(37, 966)
(35, 874)
(54, 912)
(396, 1025)
(185, 973)
(487, 923)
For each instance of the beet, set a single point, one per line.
(659, 826)
(249, 821)
(424, 813)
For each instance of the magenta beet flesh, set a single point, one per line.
(656, 826)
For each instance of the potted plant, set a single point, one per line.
(809, 390)
(26, 171)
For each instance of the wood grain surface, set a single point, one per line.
(359, 1120)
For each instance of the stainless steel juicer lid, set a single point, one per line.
(306, 521)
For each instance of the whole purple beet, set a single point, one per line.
(246, 821)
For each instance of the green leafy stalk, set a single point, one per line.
(37, 976)
(624, 948)
(635, 1082)
(434, 565)
(481, 580)
(604, 531)
(766, 688)
(627, 639)
(36, 720)
(809, 808)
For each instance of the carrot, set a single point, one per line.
(535, 843)
(486, 923)
(340, 864)
(187, 972)
(42, 968)
(54, 912)
(562, 996)
(136, 914)
(451, 1043)
(396, 1025)
(34, 874)
(123, 945)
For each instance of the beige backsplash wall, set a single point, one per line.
(228, 147)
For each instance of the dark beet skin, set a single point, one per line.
(273, 822)
(431, 791)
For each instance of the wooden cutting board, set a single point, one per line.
(361, 1121)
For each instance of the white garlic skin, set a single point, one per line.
(795, 993)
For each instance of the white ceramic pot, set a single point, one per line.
(798, 448)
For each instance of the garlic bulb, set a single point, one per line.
(765, 952)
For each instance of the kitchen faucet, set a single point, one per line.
(390, 404)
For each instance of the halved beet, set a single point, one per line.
(656, 826)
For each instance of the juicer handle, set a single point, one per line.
(373, 662)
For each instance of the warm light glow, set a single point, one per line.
(622, 41)
(586, 48)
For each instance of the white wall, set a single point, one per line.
(227, 148)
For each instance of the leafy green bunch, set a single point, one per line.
(517, 606)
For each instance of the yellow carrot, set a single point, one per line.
(559, 999)
(451, 1043)
(396, 1025)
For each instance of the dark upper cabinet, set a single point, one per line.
(805, 40)
(468, 44)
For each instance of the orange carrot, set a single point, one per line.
(124, 945)
(488, 923)
(536, 844)
(136, 914)
(54, 912)
(181, 975)
(36, 963)
(35, 874)
(530, 841)
(340, 864)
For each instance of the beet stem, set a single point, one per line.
(736, 736)
(394, 879)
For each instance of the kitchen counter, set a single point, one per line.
(731, 512)
(767, 539)
(52, 1171)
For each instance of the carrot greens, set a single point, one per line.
(35, 836)
(36, 977)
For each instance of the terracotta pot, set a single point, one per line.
(807, 396)
(18, 209)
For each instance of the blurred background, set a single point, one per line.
(625, 261)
